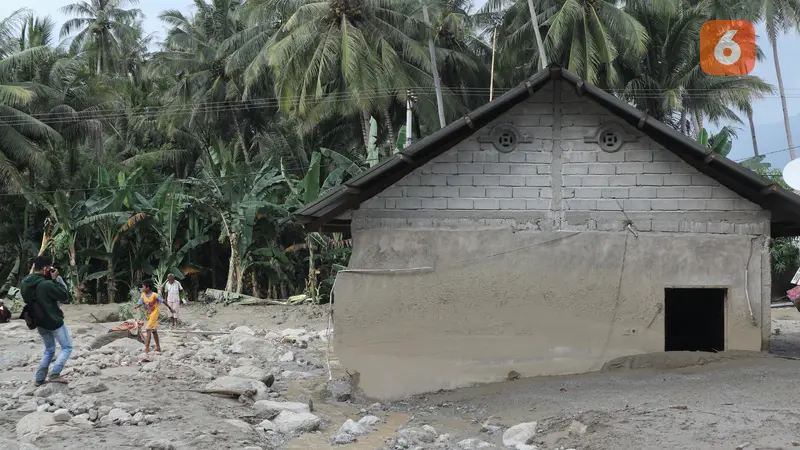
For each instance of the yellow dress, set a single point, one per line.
(151, 303)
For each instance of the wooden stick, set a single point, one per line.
(226, 392)
(196, 332)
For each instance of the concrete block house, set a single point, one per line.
(548, 232)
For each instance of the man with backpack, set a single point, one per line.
(42, 294)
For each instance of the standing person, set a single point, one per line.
(150, 300)
(174, 297)
(5, 314)
(41, 288)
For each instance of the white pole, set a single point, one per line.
(437, 82)
(409, 117)
(539, 44)
(491, 77)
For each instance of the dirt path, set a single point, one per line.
(746, 401)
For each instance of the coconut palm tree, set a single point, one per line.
(779, 16)
(100, 27)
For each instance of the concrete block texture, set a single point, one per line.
(558, 169)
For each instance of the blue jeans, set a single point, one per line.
(50, 338)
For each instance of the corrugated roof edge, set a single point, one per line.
(784, 205)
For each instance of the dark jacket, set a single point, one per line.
(47, 293)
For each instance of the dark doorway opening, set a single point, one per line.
(694, 320)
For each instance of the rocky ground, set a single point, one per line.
(188, 397)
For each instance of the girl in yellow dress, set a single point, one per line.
(150, 300)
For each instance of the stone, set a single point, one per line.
(521, 436)
(340, 390)
(50, 389)
(288, 422)
(29, 406)
(369, 421)
(127, 407)
(241, 425)
(416, 435)
(271, 408)
(266, 425)
(160, 444)
(253, 447)
(244, 330)
(250, 346)
(475, 444)
(26, 390)
(342, 439)
(81, 421)
(490, 428)
(7, 444)
(240, 384)
(44, 407)
(152, 366)
(138, 417)
(92, 387)
(577, 429)
(83, 404)
(353, 428)
(287, 357)
(290, 375)
(11, 359)
(104, 410)
(34, 425)
(93, 415)
(118, 416)
(253, 373)
(62, 415)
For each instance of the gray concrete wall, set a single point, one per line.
(551, 259)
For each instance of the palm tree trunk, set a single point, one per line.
(284, 291)
(786, 122)
(242, 143)
(539, 44)
(254, 284)
(682, 123)
(73, 274)
(753, 132)
(229, 285)
(365, 127)
(390, 128)
(239, 278)
(111, 283)
(434, 68)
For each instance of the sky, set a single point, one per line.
(767, 112)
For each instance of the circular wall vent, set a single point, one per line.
(505, 138)
(610, 138)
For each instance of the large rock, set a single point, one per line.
(240, 425)
(160, 444)
(254, 373)
(26, 390)
(51, 389)
(342, 439)
(240, 384)
(475, 444)
(289, 422)
(116, 416)
(91, 386)
(271, 408)
(418, 435)
(251, 346)
(369, 421)
(11, 359)
(62, 415)
(354, 428)
(521, 436)
(8, 444)
(34, 425)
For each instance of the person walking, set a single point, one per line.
(41, 288)
(5, 314)
(174, 292)
(150, 300)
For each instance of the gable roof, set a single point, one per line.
(784, 205)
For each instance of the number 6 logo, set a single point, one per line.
(727, 47)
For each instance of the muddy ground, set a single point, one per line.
(730, 401)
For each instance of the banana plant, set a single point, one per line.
(720, 143)
(238, 197)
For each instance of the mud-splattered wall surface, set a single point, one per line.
(551, 236)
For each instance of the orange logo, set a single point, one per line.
(727, 47)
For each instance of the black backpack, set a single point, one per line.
(31, 313)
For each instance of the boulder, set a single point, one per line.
(521, 436)
(240, 384)
(251, 346)
(418, 435)
(475, 444)
(369, 421)
(34, 425)
(11, 359)
(244, 330)
(50, 389)
(342, 439)
(8, 444)
(117, 416)
(81, 421)
(577, 429)
(353, 428)
(288, 422)
(240, 425)
(91, 386)
(271, 408)
(254, 373)
(340, 390)
(287, 357)
(26, 390)
(62, 415)
(152, 366)
(160, 444)
(266, 425)
(29, 406)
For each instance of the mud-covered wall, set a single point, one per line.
(550, 259)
